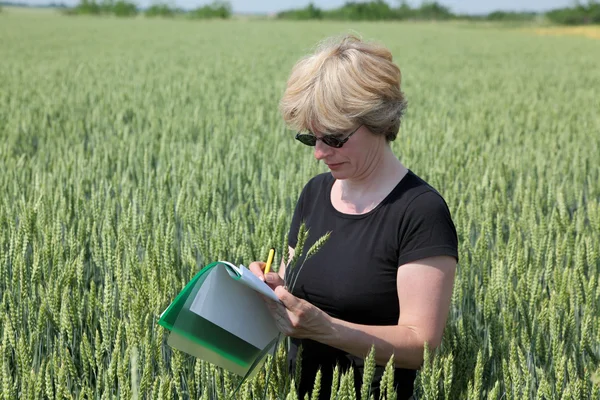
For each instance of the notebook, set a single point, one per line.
(220, 317)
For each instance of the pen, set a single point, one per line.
(269, 260)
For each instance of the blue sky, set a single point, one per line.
(268, 6)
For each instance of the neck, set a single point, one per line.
(385, 170)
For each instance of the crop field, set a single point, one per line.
(592, 32)
(133, 152)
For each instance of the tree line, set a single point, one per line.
(431, 10)
(374, 10)
(126, 8)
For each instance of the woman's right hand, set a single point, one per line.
(272, 278)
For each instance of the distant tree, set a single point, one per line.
(511, 16)
(162, 10)
(372, 10)
(120, 8)
(86, 7)
(309, 12)
(313, 11)
(577, 15)
(433, 10)
(123, 8)
(217, 9)
(404, 11)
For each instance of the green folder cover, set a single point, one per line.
(220, 317)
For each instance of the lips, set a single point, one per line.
(334, 165)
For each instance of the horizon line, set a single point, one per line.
(60, 4)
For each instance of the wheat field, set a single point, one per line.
(592, 32)
(134, 152)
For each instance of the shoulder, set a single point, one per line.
(418, 196)
(428, 202)
(426, 228)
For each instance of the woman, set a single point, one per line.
(384, 277)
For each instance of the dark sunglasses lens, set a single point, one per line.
(307, 139)
(332, 141)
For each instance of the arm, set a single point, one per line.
(424, 291)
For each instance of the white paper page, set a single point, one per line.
(235, 307)
(252, 281)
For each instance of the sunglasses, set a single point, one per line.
(333, 141)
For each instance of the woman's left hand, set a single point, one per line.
(298, 318)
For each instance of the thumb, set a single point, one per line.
(289, 300)
(273, 279)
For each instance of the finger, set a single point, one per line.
(272, 305)
(277, 309)
(281, 318)
(281, 325)
(290, 301)
(273, 280)
(257, 268)
(283, 322)
(281, 311)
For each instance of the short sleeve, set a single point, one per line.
(427, 229)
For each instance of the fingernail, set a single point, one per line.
(262, 278)
(270, 278)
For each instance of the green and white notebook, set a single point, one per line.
(220, 317)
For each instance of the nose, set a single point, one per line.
(322, 150)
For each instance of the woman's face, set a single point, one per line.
(355, 158)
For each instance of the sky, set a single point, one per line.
(271, 6)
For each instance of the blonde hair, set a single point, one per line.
(345, 83)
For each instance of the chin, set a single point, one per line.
(339, 174)
(340, 171)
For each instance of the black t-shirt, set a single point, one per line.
(353, 276)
